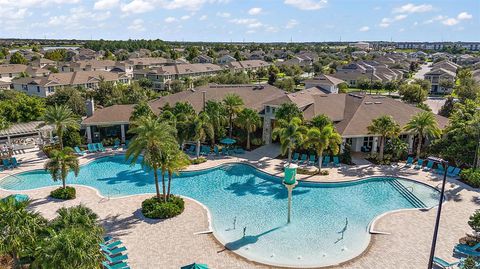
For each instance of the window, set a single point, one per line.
(50, 89)
(368, 141)
(38, 88)
(10, 75)
(25, 87)
(267, 109)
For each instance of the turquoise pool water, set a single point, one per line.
(241, 194)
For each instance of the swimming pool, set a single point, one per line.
(241, 194)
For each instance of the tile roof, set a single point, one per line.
(69, 78)
(12, 68)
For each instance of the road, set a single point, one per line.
(424, 68)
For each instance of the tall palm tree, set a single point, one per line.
(62, 117)
(248, 120)
(61, 162)
(177, 161)
(291, 135)
(217, 113)
(202, 129)
(151, 139)
(386, 127)
(323, 139)
(233, 105)
(423, 124)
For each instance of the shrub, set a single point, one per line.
(304, 171)
(346, 156)
(471, 177)
(469, 263)
(256, 141)
(474, 221)
(154, 209)
(48, 149)
(198, 160)
(71, 138)
(65, 194)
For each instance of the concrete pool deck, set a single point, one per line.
(172, 243)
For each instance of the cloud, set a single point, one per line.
(454, 21)
(255, 11)
(223, 14)
(271, 29)
(255, 25)
(243, 21)
(307, 4)
(105, 4)
(137, 6)
(464, 16)
(434, 19)
(291, 24)
(185, 17)
(137, 26)
(364, 29)
(411, 8)
(170, 19)
(203, 17)
(385, 22)
(450, 21)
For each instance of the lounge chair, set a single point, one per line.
(312, 160)
(336, 161)
(14, 162)
(79, 151)
(224, 151)
(455, 172)
(100, 147)
(125, 147)
(116, 145)
(429, 166)
(326, 160)
(107, 239)
(419, 164)
(467, 247)
(239, 151)
(115, 251)
(91, 148)
(6, 163)
(191, 149)
(116, 259)
(121, 265)
(443, 264)
(409, 162)
(216, 151)
(303, 159)
(18, 197)
(296, 155)
(111, 245)
(450, 170)
(466, 252)
(440, 170)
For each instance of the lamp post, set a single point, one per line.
(290, 182)
(439, 212)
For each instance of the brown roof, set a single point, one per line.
(182, 69)
(70, 78)
(12, 68)
(326, 79)
(150, 61)
(248, 64)
(116, 114)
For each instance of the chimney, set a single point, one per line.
(204, 96)
(90, 107)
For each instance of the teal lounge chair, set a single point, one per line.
(224, 151)
(117, 259)
(296, 155)
(467, 247)
(429, 166)
(466, 252)
(419, 164)
(6, 163)
(18, 197)
(312, 160)
(115, 251)
(191, 149)
(326, 160)
(79, 151)
(125, 147)
(239, 151)
(409, 162)
(14, 162)
(455, 172)
(100, 147)
(107, 239)
(443, 264)
(303, 159)
(111, 245)
(121, 265)
(91, 148)
(336, 161)
(450, 170)
(116, 145)
(440, 170)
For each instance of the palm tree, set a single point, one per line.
(423, 124)
(60, 163)
(177, 161)
(217, 113)
(291, 135)
(322, 139)
(386, 127)
(321, 121)
(233, 105)
(151, 139)
(248, 120)
(202, 129)
(62, 117)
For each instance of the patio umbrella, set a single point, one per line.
(228, 141)
(195, 266)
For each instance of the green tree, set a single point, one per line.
(474, 221)
(233, 104)
(413, 93)
(248, 120)
(386, 127)
(321, 121)
(423, 124)
(152, 139)
(469, 263)
(218, 117)
(78, 217)
(60, 163)
(176, 161)
(446, 85)
(287, 84)
(62, 118)
(176, 86)
(424, 84)
(291, 134)
(71, 97)
(322, 139)
(288, 111)
(363, 84)
(447, 107)
(202, 129)
(17, 58)
(4, 124)
(391, 86)
(141, 110)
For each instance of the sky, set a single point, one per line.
(243, 20)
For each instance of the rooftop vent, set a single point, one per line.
(377, 103)
(368, 103)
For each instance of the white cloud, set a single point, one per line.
(204, 17)
(364, 29)
(291, 24)
(434, 19)
(307, 4)
(185, 17)
(271, 29)
(385, 22)
(170, 19)
(255, 11)
(105, 4)
(243, 21)
(223, 14)
(137, 6)
(250, 32)
(450, 22)
(255, 25)
(137, 26)
(464, 16)
(411, 8)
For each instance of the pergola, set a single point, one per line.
(26, 129)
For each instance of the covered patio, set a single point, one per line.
(26, 135)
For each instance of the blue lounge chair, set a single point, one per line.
(100, 147)
(450, 170)
(467, 247)
(117, 259)
(116, 145)
(191, 149)
(466, 252)
(6, 163)
(224, 151)
(18, 197)
(312, 160)
(91, 148)
(296, 155)
(326, 160)
(303, 159)
(14, 162)
(440, 170)
(79, 151)
(336, 161)
(107, 239)
(115, 251)
(429, 166)
(239, 151)
(216, 151)
(409, 162)
(419, 164)
(127, 142)
(455, 172)
(443, 264)
(111, 245)
(121, 265)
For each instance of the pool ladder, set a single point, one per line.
(408, 194)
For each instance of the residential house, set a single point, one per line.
(247, 65)
(45, 86)
(360, 45)
(203, 59)
(87, 54)
(146, 63)
(226, 59)
(99, 65)
(295, 60)
(43, 63)
(436, 75)
(325, 83)
(10, 71)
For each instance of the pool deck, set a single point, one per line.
(172, 243)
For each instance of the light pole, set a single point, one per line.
(439, 212)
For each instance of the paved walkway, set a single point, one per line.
(172, 243)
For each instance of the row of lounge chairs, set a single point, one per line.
(10, 163)
(206, 150)
(312, 160)
(98, 147)
(115, 254)
(452, 171)
(461, 250)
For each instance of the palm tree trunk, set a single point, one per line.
(248, 140)
(64, 183)
(169, 184)
(230, 131)
(289, 155)
(157, 188)
(15, 260)
(60, 135)
(320, 159)
(163, 186)
(198, 148)
(419, 146)
(382, 146)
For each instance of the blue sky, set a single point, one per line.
(237, 20)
